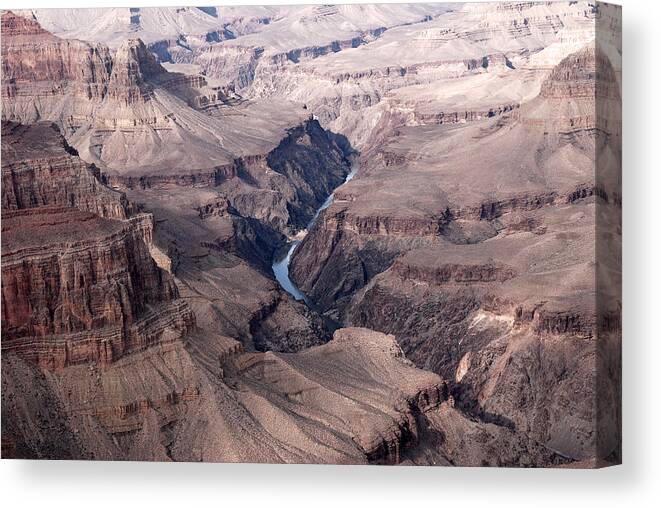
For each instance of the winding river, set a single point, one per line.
(281, 263)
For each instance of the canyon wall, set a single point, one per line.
(78, 282)
(39, 168)
(491, 287)
(156, 161)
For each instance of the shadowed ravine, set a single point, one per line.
(281, 262)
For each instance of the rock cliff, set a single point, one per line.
(39, 168)
(37, 64)
(77, 288)
(133, 68)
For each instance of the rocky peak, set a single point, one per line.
(133, 67)
(573, 77)
(134, 64)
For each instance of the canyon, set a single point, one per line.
(384, 234)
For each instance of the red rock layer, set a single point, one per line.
(39, 168)
(36, 63)
(133, 65)
(16, 26)
(67, 273)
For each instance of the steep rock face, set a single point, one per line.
(217, 60)
(537, 377)
(14, 26)
(39, 168)
(284, 327)
(203, 177)
(133, 67)
(448, 436)
(78, 288)
(37, 64)
(314, 165)
(99, 412)
(583, 93)
(247, 237)
(454, 273)
(315, 261)
(34, 423)
(455, 117)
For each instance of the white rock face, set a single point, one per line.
(363, 70)
(113, 25)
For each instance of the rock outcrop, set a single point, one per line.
(77, 288)
(39, 65)
(132, 70)
(39, 168)
(79, 285)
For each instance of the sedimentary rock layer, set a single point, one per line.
(39, 168)
(28, 52)
(78, 288)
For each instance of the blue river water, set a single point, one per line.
(281, 264)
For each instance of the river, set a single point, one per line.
(281, 264)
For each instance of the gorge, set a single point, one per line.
(354, 234)
(281, 262)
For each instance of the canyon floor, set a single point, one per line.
(356, 234)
